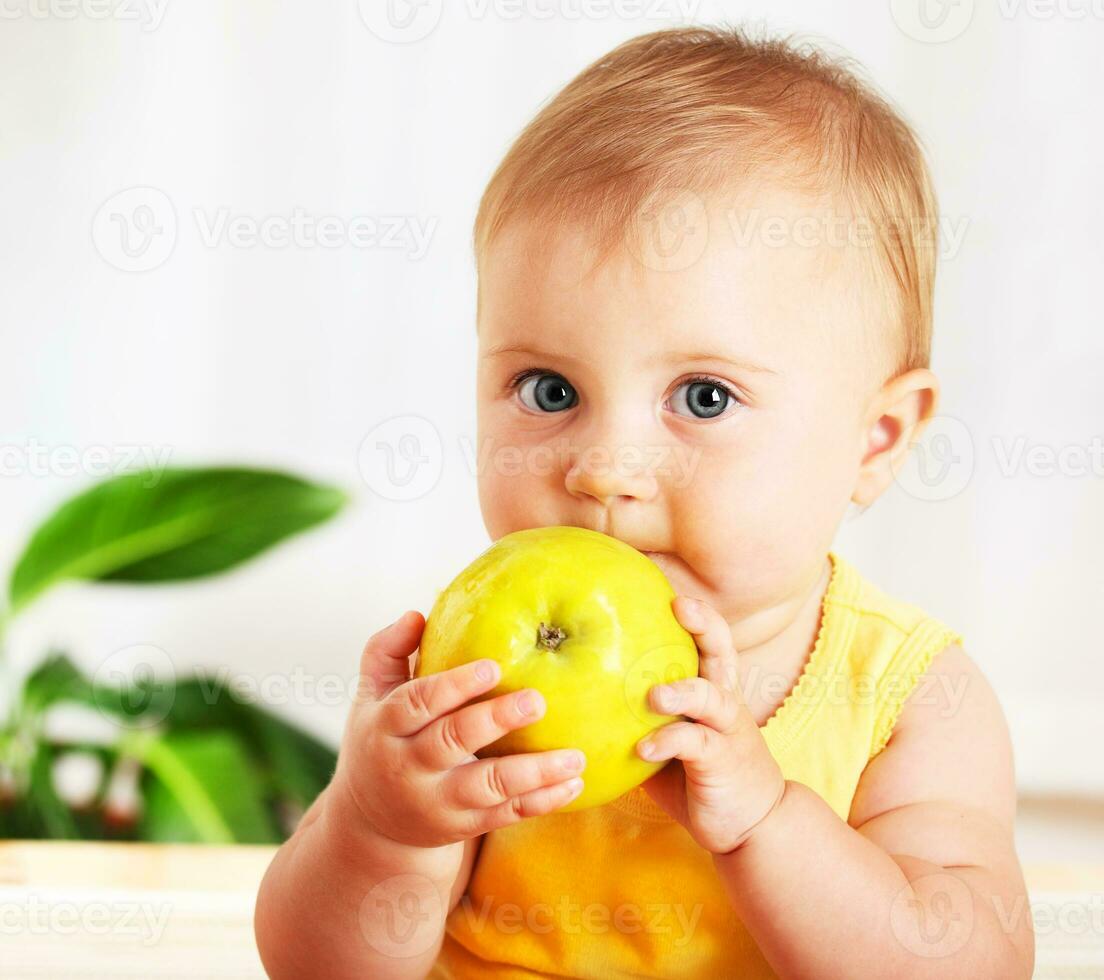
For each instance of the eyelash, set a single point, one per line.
(716, 382)
(522, 376)
(518, 379)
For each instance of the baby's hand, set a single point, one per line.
(408, 759)
(727, 781)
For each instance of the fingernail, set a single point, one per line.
(528, 703)
(573, 761)
(691, 611)
(486, 671)
(646, 749)
(574, 786)
(667, 698)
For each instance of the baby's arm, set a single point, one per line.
(364, 885)
(923, 880)
(310, 916)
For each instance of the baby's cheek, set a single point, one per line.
(756, 516)
(800, 498)
(513, 497)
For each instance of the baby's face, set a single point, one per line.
(712, 416)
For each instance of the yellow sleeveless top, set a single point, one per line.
(622, 890)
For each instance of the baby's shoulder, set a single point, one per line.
(950, 741)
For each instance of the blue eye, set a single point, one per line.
(547, 393)
(701, 398)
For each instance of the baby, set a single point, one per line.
(704, 323)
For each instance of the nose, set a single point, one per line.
(607, 475)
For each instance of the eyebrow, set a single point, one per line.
(523, 349)
(678, 357)
(707, 356)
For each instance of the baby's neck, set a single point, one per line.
(774, 645)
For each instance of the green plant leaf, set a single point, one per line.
(160, 526)
(48, 812)
(55, 679)
(299, 766)
(202, 787)
(295, 764)
(287, 767)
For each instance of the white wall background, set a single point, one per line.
(290, 355)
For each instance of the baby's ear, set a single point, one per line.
(896, 417)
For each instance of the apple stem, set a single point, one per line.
(550, 637)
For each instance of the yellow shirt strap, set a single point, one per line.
(905, 669)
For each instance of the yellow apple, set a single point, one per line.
(586, 620)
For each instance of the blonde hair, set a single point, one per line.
(690, 109)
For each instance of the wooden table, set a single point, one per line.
(82, 910)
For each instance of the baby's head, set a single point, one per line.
(704, 317)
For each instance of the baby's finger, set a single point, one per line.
(694, 744)
(489, 782)
(699, 699)
(423, 700)
(385, 662)
(457, 736)
(533, 804)
(714, 640)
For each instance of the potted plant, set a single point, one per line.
(179, 758)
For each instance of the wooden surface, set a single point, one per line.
(83, 910)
